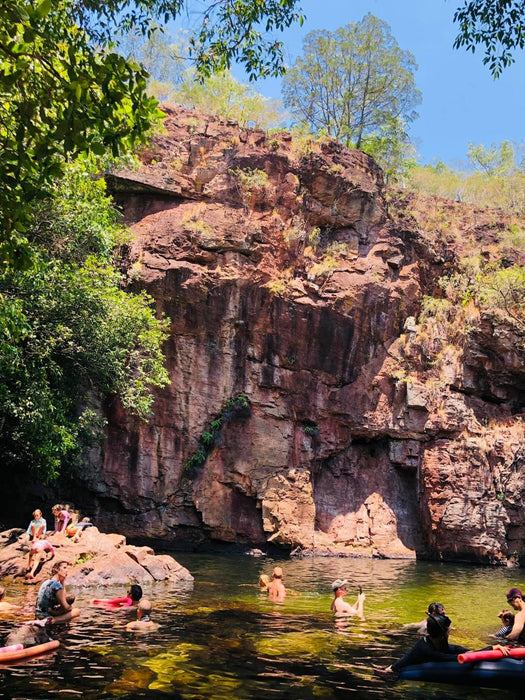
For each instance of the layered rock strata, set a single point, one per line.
(293, 280)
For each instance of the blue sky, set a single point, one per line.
(462, 103)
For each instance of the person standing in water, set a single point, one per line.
(340, 607)
(143, 623)
(276, 589)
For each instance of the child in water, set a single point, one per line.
(143, 623)
(507, 618)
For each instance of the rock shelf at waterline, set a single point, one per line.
(95, 559)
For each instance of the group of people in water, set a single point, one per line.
(54, 605)
(435, 646)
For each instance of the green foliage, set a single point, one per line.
(498, 25)
(237, 31)
(251, 184)
(229, 31)
(65, 92)
(497, 161)
(162, 56)
(311, 429)
(501, 291)
(497, 181)
(59, 99)
(69, 334)
(237, 407)
(223, 95)
(391, 148)
(355, 84)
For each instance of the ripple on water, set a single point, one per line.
(222, 638)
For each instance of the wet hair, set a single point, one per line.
(2, 592)
(57, 566)
(264, 580)
(435, 609)
(145, 606)
(508, 618)
(437, 625)
(135, 592)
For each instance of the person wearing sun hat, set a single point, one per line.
(340, 607)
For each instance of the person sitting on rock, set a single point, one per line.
(143, 623)
(340, 607)
(5, 607)
(52, 600)
(276, 589)
(75, 530)
(38, 547)
(62, 517)
(37, 528)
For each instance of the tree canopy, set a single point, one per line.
(498, 25)
(65, 91)
(70, 336)
(355, 84)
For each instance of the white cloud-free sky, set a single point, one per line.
(462, 103)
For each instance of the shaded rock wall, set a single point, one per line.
(290, 280)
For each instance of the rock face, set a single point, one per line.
(97, 559)
(293, 279)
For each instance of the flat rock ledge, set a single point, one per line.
(97, 559)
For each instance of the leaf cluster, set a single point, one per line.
(59, 98)
(65, 91)
(498, 25)
(237, 30)
(235, 408)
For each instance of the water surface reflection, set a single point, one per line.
(222, 638)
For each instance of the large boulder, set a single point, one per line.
(95, 559)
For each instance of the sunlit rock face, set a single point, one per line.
(293, 279)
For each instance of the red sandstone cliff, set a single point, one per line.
(293, 279)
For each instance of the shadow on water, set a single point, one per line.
(222, 638)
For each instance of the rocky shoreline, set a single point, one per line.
(96, 559)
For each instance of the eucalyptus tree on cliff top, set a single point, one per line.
(353, 83)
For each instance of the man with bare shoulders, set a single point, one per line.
(276, 589)
(517, 634)
(143, 623)
(340, 607)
